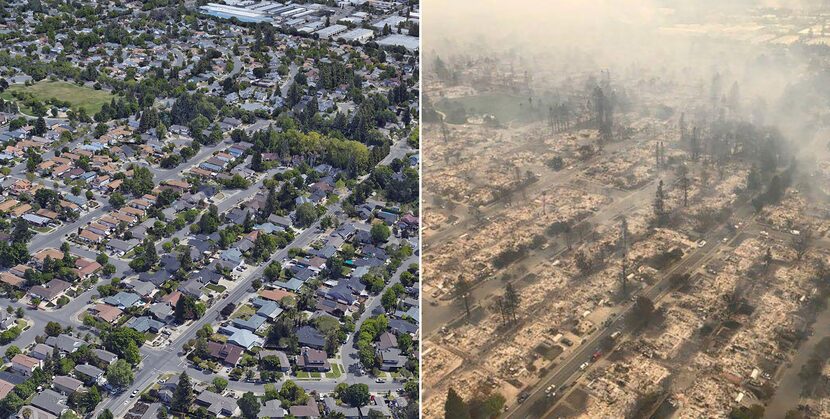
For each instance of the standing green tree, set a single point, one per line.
(183, 397)
(186, 261)
(120, 373)
(380, 232)
(21, 233)
(117, 200)
(187, 309)
(256, 162)
(248, 224)
(356, 395)
(40, 126)
(150, 255)
(249, 405)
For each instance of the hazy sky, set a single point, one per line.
(529, 23)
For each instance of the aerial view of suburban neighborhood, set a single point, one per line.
(209, 209)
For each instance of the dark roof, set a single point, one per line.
(170, 262)
(50, 401)
(229, 353)
(156, 278)
(309, 336)
(402, 326)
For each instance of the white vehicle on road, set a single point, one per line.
(583, 366)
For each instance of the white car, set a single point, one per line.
(550, 389)
(701, 243)
(583, 366)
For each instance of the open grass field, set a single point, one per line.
(79, 97)
(505, 107)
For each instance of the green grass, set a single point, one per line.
(336, 371)
(80, 97)
(302, 374)
(215, 287)
(216, 337)
(506, 107)
(244, 312)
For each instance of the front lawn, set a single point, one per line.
(216, 287)
(244, 312)
(336, 371)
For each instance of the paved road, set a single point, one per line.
(348, 353)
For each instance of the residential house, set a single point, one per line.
(313, 360)
(25, 364)
(66, 385)
(51, 291)
(90, 373)
(228, 354)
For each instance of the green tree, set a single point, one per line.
(292, 393)
(120, 373)
(273, 270)
(150, 255)
(21, 232)
(187, 308)
(380, 232)
(40, 126)
(220, 384)
(306, 214)
(249, 405)
(11, 351)
(256, 162)
(117, 200)
(183, 397)
(356, 395)
(53, 329)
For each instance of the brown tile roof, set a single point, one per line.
(20, 210)
(107, 312)
(275, 295)
(11, 279)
